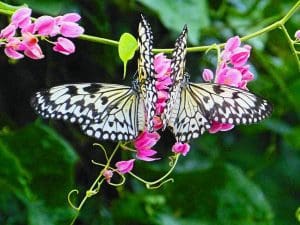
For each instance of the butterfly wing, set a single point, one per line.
(104, 111)
(146, 73)
(177, 74)
(202, 103)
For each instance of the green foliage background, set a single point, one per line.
(247, 176)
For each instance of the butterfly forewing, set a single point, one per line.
(104, 111)
(146, 73)
(177, 74)
(202, 103)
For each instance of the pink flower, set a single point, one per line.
(181, 148)
(64, 46)
(21, 17)
(12, 48)
(8, 32)
(146, 140)
(145, 154)
(232, 70)
(143, 144)
(207, 75)
(125, 166)
(216, 127)
(157, 123)
(232, 43)
(31, 47)
(297, 35)
(45, 25)
(70, 17)
(108, 175)
(240, 56)
(163, 83)
(162, 65)
(71, 29)
(229, 76)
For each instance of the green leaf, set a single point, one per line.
(38, 167)
(127, 47)
(229, 198)
(175, 14)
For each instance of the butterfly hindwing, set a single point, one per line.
(146, 72)
(104, 111)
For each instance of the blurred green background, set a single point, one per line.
(248, 176)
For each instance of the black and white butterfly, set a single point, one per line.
(107, 111)
(192, 107)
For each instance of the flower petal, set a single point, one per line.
(125, 166)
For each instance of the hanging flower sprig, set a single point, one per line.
(21, 37)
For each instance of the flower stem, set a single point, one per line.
(152, 183)
(91, 38)
(95, 186)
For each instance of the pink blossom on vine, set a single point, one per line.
(31, 47)
(217, 126)
(297, 35)
(108, 175)
(43, 27)
(143, 144)
(21, 17)
(12, 48)
(181, 148)
(64, 46)
(125, 166)
(8, 32)
(207, 75)
(162, 67)
(232, 70)
(71, 29)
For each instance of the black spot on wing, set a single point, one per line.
(93, 88)
(104, 100)
(72, 90)
(217, 89)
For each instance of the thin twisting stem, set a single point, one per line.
(149, 184)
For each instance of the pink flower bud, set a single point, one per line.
(12, 48)
(125, 166)
(297, 35)
(108, 175)
(44, 25)
(232, 43)
(70, 17)
(181, 148)
(70, 29)
(207, 75)
(157, 123)
(8, 31)
(34, 52)
(21, 17)
(64, 46)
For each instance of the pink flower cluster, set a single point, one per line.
(232, 70)
(43, 27)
